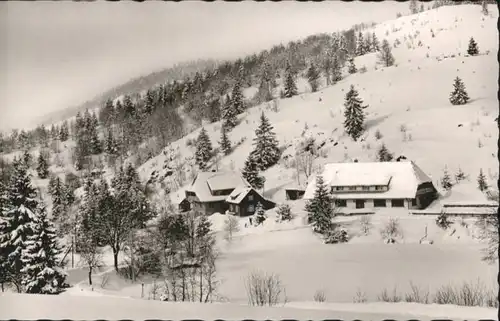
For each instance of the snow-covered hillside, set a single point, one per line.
(408, 103)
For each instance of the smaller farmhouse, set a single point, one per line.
(376, 185)
(209, 190)
(244, 199)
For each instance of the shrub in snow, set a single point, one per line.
(264, 289)
(473, 48)
(391, 230)
(284, 213)
(459, 95)
(378, 134)
(319, 296)
(335, 236)
(352, 66)
(360, 297)
(442, 221)
(363, 69)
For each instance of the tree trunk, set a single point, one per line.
(115, 259)
(90, 276)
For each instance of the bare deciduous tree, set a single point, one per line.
(391, 230)
(231, 226)
(264, 289)
(365, 223)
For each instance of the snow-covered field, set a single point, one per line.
(14, 306)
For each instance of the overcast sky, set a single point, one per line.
(59, 54)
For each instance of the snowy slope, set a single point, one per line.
(414, 94)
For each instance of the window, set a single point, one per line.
(190, 193)
(365, 188)
(250, 197)
(379, 203)
(251, 208)
(352, 188)
(398, 203)
(414, 202)
(360, 203)
(379, 188)
(341, 203)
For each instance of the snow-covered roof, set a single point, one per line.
(466, 193)
(207, 181)
(238, 194)
(178, 196)
(403, 179)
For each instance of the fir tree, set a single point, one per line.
(319, 208)
(42, 273)
(384, 155)
(203, 149)
(149, 103)
(460, 176)
(375, 43)
(42, 168)
(250, 173)
(352, 67)
(64, 132)
(266, 150)
(203, 228)
(16, 225)
(459, 96)
(229, 115)
(27, 159)
(446, 180)
(111, 146)
(237, 98)
(473, 49)
(336, 69)
(354, 114)
(360, 45)
(290, 88)
(225, 143)
(260, 214)
(385, 57)
(481, 181)
(313, 77)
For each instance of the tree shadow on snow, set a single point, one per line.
(375, 121)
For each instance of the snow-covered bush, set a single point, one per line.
(336, 236)
(442, 221)
(284, 213)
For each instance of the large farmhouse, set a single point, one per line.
(212, 192)
(376, 184)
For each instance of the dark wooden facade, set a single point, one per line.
(294, 194)
(249, 203)
(184, 205)
(426, 194)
